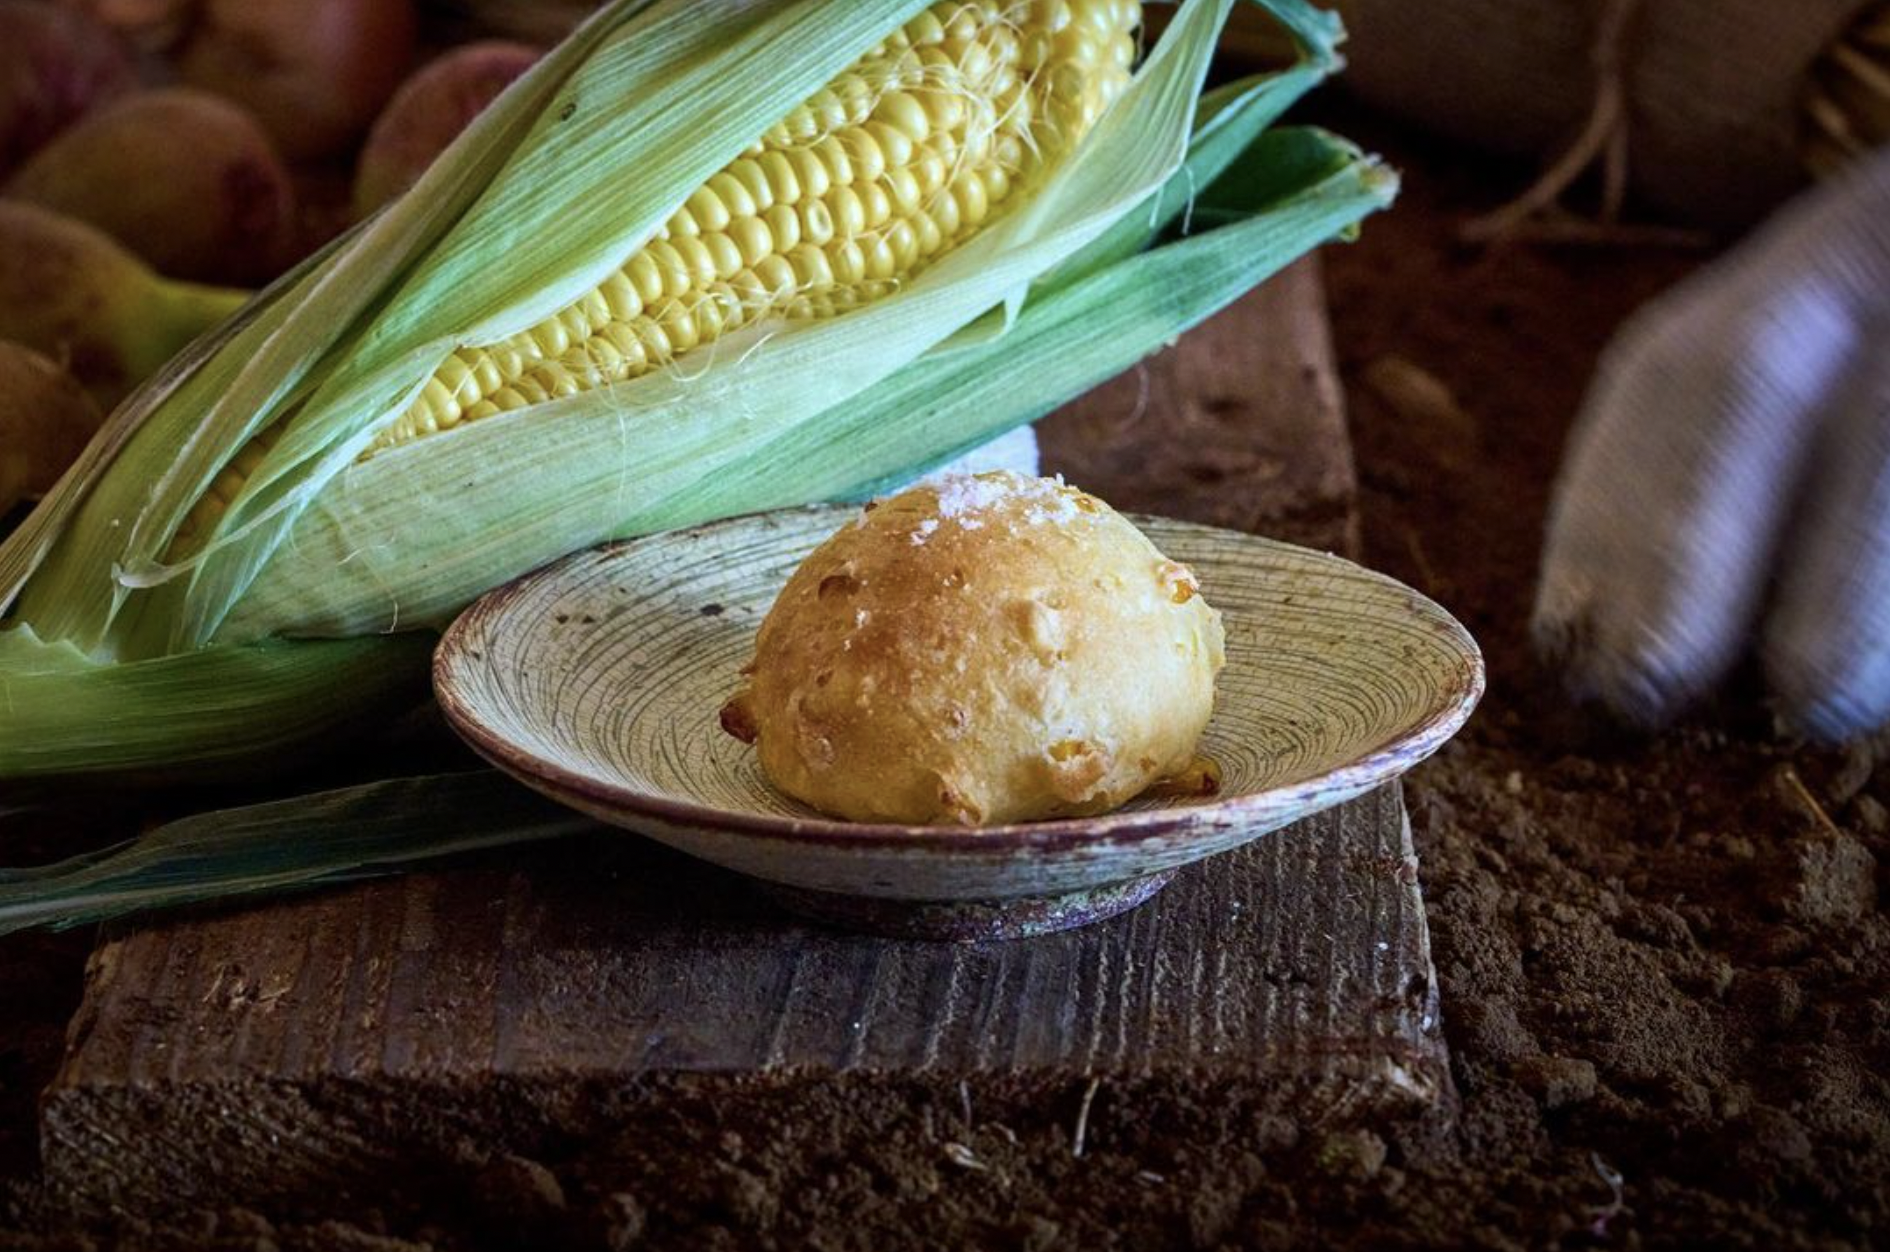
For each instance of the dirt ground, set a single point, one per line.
(1665, 970)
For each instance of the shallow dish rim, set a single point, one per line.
(1121, 828)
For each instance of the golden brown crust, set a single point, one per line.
(992, 649)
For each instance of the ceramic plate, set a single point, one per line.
(599, 680)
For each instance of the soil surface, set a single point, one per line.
(1665, 970)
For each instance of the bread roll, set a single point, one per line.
(993, 648)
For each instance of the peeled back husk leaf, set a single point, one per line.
(525, 214)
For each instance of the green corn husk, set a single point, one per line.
(321, 839)
(325, 562)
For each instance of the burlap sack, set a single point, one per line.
(1714, 85)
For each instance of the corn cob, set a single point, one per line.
(893, 163)
(497, 369)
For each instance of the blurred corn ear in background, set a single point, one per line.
(698, 261)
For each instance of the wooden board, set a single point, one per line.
(274, 1054)
(279, 1054)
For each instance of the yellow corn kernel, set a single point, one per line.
(844, 201)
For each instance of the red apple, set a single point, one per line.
(45, 420)
(55, 64)
(152, 26)
(70, 292)
(314, 72)
(428, 113)
(184, 179)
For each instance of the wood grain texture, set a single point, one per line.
(270, 1054)
(345, 1043)
(1240, 424)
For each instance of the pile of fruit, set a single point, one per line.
(160, 158)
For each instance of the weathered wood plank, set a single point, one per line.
(272, 1053)
(560, 995)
